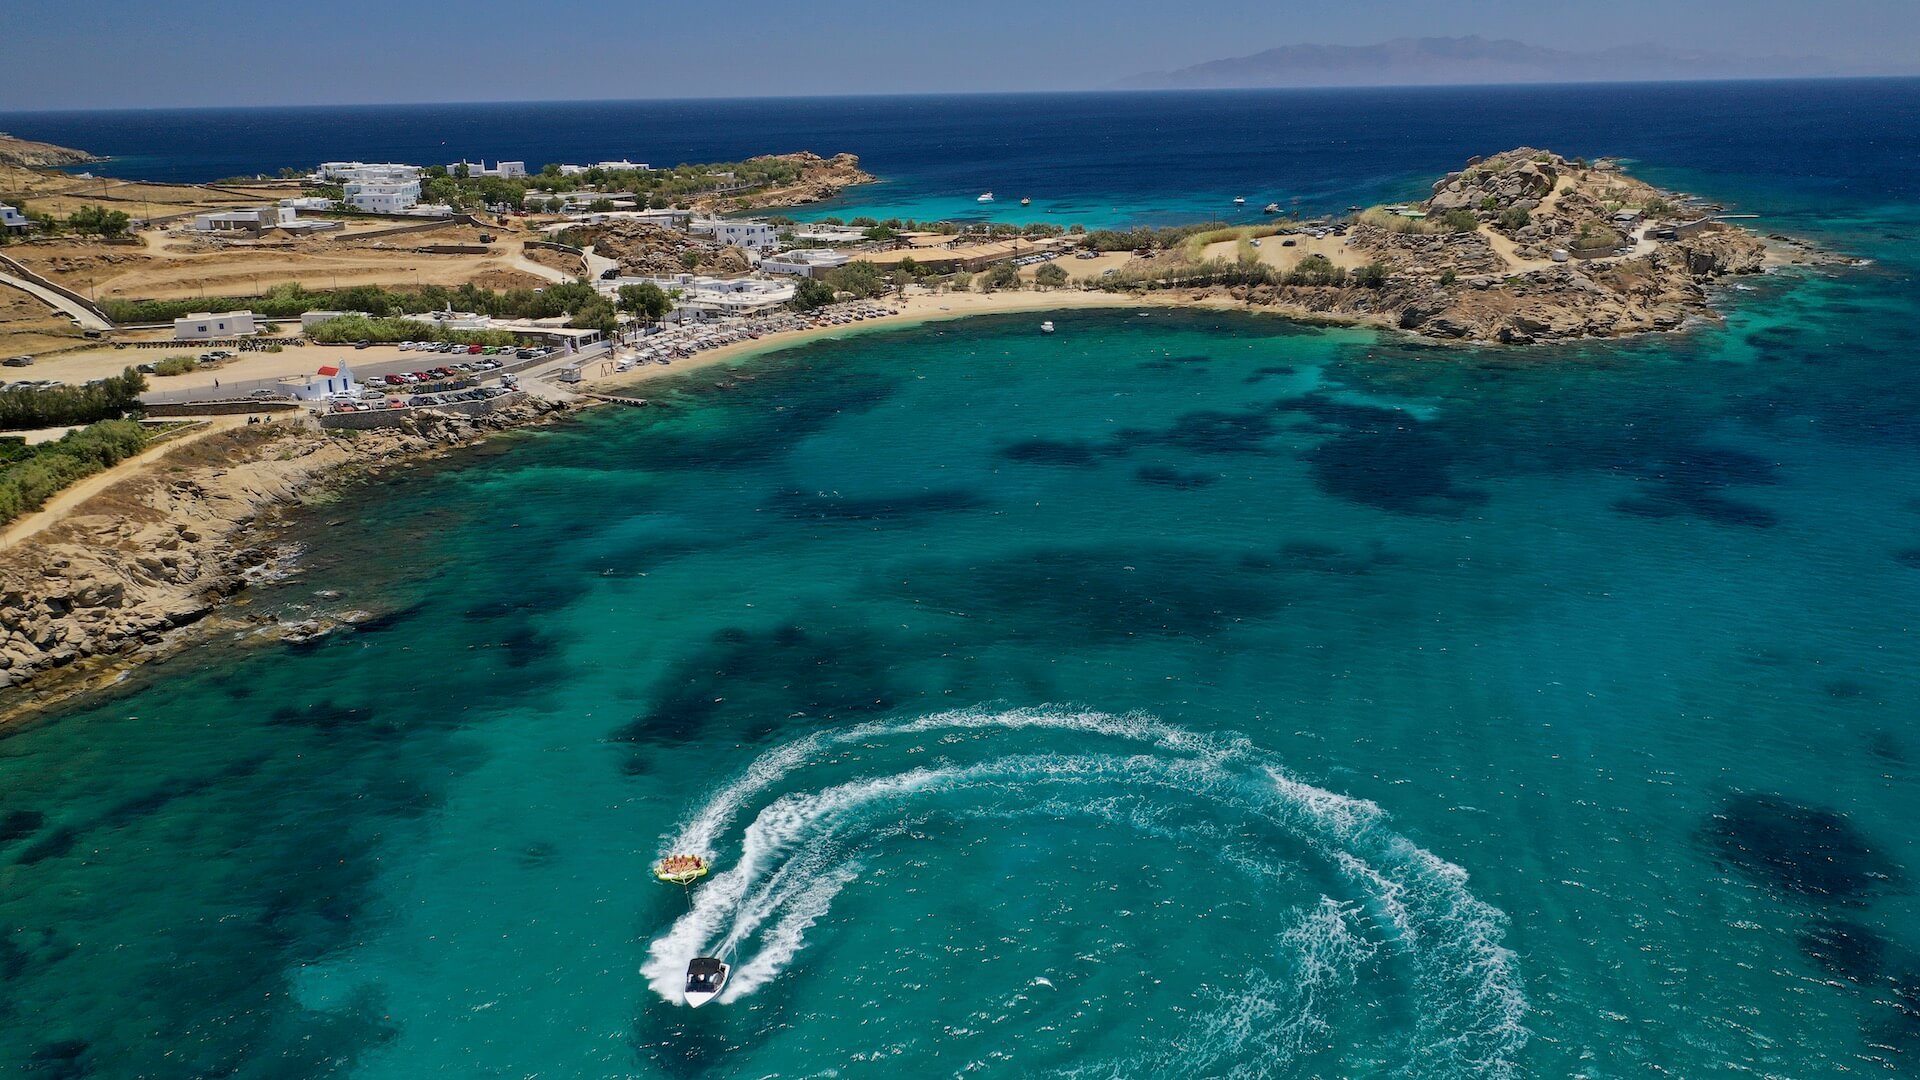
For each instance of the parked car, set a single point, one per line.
(473, 350)
(17, 361)
(394, 380)
(363, 344)
(262, 394)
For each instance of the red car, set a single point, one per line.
(473, 350)
(394, 380)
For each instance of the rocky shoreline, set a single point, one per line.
(137, 571)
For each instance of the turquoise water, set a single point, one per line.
(1195, 694)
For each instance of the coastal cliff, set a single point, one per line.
(155, 554)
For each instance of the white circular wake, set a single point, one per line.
(802, 847)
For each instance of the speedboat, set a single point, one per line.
(1273, 208)
(1047, 327)
(1026, 202)
(985, 196)
(1239, 200)
(706, 976)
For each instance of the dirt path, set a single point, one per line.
(66, 501)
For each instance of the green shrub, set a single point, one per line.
(1050, 275)
(29, 475)
(1371, 276)
(353, 328)
(175, 365)
(1316, 270)
(1515, 219)
(1460, 221)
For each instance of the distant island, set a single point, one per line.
(1432, 61)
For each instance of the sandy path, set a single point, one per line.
(68, 499)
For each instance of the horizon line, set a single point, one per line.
(921, 94)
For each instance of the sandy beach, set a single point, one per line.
(917, 307)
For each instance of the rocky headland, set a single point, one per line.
(26, 154)
(1521, 247)
(137, 570)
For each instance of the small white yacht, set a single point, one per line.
(1047, 327)
(1026, 202)
(1239, 200)
(985, 196)
(706, 977)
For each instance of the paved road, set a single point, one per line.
(53, 299)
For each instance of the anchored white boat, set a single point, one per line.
(1026, 202)
(1047, 327)
(706, 977)
(1239, 200)
(985, 196)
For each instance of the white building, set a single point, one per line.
(382, 197)
(807, 262)
(757, 236)
(256, 220)
(606, 166)
(385, 173)
(329, 380)
(205, 326)
(307, 202)
(716, 296)
(311, 319)
(505, 170)
(829, 234)
(12, 220)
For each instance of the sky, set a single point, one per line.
(59, 54)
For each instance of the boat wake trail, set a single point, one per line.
(790, 848)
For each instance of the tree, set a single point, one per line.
(861, 278)
(98, 220)
(1460, 221)
(600, 205)
(597, 315)
(1050, 276)
(1002, 275)
(1371, 276)
(646, 300)
(811, 294)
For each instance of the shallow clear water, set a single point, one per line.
(1197, 694)
(1189, 693)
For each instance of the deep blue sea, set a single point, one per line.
(1096, 159)
(1197, 694)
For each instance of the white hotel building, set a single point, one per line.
(378, 197)
(755, 236)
